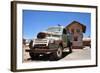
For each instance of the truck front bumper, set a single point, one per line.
(41, 50)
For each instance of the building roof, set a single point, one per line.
(83, 26)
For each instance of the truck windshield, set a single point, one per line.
(58, 36)
(55, 29)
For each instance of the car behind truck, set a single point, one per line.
(52, 41)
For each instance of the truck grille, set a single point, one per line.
(41, 46)
(40, 43)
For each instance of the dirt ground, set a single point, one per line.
(77, 54)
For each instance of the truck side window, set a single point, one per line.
(64, 31)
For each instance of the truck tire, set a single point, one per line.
(57, 55)
(33, 55)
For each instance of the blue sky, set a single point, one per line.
(37, 21)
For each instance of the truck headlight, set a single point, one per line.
(52, 41)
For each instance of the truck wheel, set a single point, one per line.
(33, 56)
(57, 55)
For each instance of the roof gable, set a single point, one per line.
(74, 22)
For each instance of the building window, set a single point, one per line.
(78, 30)
(72, 30)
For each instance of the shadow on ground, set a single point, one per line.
(47, 57)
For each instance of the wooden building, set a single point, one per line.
(76, 29)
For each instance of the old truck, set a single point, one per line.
(52, 41)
